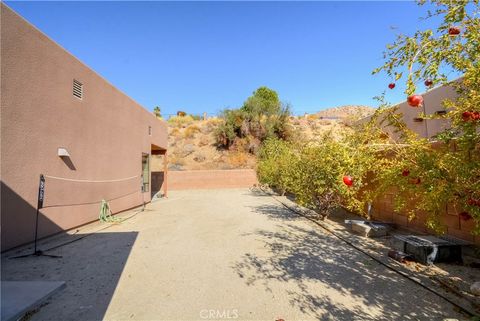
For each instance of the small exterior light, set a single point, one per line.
(63, 152)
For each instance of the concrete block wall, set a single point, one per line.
(211, 179)
(383, 209)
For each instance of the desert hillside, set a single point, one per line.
(343, 112)
(192, 142)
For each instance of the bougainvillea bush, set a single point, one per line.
(425, 174)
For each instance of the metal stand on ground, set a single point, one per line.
(41, 195)
(142, 188)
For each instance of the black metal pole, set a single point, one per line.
(41, 194)
(142, 189)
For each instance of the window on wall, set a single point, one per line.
(146, 172)
(150, 130)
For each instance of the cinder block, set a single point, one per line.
(416, 223)
(452, 209)
(428, 249)
(400, 220)
(476, 240)
(370, 229)
(467, 226)
(451, 221)
(467, 236)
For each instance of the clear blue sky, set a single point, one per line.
(206, 56)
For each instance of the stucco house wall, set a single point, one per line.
(432, 104)
(105, 133)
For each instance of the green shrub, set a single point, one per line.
(314, 172)
(275, 164)
(262, 116)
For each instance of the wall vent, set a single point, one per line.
(77, 89)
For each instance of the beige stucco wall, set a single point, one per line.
(105, 134)
(432, 103)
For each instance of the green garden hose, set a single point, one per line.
(106, 213)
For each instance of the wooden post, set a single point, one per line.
(204, 116)
(165, 174)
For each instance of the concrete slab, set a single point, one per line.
(19, 297)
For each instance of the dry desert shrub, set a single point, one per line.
(180, 121)
(175, 132)
(176, 160)
(237, 159)
(324, 122)
(212, 123)
(204, 141)
(190, 131)
(240, 145)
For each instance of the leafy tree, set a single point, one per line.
(264, 101)
(437, 175)
(262, 116)
(314, 172)
(426, 175)
(157, 112)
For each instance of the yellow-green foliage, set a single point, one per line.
(180, 121)
(426, 175)
(262, 116)
(314, 172)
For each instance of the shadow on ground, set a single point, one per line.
(91, 267)
(307, 256)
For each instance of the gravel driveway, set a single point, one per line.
(221, 255)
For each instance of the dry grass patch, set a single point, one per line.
(190, 131)
(203, 141)
(238, 159)
(180, 121)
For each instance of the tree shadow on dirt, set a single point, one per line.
(330, 280)
(275, 212)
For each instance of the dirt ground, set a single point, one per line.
(218, 255)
